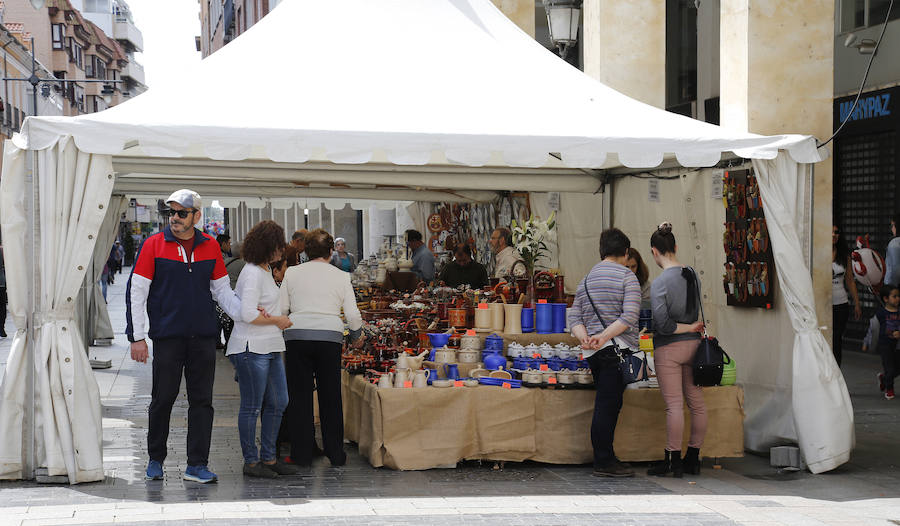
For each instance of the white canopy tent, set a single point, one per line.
(448, 116)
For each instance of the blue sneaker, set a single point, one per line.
(200, 474)
(154, 470)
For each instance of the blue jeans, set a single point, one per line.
(262, 383)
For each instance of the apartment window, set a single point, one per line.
(89, 67)
(97, 6)
(76, 53)
(59, 36)
(79, 98)
(857, 14)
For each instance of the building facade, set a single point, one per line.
(75, 48)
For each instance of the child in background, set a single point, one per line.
(888, 331)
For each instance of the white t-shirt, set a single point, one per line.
(838, 290)
(256, 287)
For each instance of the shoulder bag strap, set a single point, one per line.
(699, 300)
(588, 294)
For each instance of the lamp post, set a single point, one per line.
(563, 17)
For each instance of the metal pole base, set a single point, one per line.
(41, 477)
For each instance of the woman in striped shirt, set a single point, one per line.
(606, 306)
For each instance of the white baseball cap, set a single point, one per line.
(186, 198)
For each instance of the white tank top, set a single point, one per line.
(838, 291)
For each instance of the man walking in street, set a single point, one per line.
(177, 276)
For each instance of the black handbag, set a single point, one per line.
(632, 365)
(710, 360)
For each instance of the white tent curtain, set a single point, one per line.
(823, 414)
(73, 195)
(101, 325)
(13, 387)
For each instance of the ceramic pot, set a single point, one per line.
(532, 377)
(493, 343)
(401, 376)
(512, 313)
(470, 343)
(565, 377)
(467, 356)
(386, 380)
(482, 318)
(444, 355)
(496, 310)
(421, 378)
(527, 319)
(494, 360)
(457, 317)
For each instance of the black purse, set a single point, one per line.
(632, 365)
(710, 360)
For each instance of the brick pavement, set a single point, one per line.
(746, 491)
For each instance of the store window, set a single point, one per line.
(865, 200)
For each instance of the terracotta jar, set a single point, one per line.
(457, 317)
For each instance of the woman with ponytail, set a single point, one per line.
(674, 297)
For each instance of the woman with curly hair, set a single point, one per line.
(255, 349)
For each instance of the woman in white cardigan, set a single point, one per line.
(314, 294)
(255, 348)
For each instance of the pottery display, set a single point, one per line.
(386, 380)
(493, 343)
(405, 264)
(504, 375)
(564, 376)
(401, 376)
(470, 382)
(442, 383)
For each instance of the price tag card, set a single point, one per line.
(544, 367)
(470, 332)
(457, 383)
(580, 357)
(506, 385)
(542, 301)
(536, 355)
(407, 383)
(551, 380)
(482, 305)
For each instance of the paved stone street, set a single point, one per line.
(745, 491)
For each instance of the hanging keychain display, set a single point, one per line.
(749, 264)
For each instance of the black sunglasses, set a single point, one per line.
(180, 213)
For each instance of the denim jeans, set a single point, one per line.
(607, 404)
(262, 383)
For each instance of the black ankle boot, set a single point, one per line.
(663, 468)
(692, 461)
(677, 465)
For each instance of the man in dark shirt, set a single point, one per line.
(463, 270)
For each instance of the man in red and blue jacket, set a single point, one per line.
(177, 275)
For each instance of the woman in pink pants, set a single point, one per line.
(674, 298)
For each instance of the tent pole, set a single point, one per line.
(28, 419)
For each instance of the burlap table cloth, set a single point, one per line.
(413, 429)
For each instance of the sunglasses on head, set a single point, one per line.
(180, 213)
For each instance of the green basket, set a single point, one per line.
(729, 373)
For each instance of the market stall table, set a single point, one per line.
(430, 427)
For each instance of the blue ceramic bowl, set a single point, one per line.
(438, 339)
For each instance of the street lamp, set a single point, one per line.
(562, 19)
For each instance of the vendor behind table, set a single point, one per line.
(463, 270)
